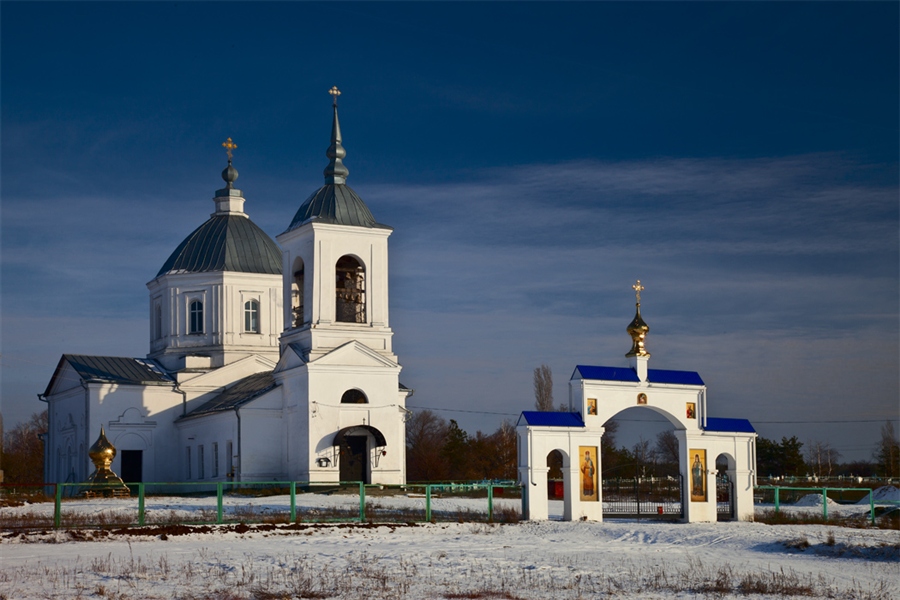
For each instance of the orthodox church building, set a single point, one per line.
(268, 361)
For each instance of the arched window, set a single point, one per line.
(196, 317)
(251, 316)
(350, 286)
(157, 322)
(354, 397)
(297, 319)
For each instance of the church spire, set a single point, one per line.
(336, 172)
(637, 329)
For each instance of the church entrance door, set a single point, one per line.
(354, 463)
(132, 466)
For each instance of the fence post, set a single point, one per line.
(490, 503)
(825, 503)
(219, 502)
(140, 504)
(872, 505)
(293, 501)
(362, 502)
(777, 490)
(428, 502)
(57, 508)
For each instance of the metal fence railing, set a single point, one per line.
(152, 503)
(786, 498)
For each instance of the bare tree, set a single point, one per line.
(23, 451)
(666, 448)
(543, 389)
(821, 457)
(426, 435)
(887, 455)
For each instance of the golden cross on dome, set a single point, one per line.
(335, 92)
(229, 146)
(638, 288)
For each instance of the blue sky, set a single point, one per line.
(741, 159)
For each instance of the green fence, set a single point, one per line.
(785, 497)
(198, 503)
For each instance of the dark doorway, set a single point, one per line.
(353, 459)
(132, 466)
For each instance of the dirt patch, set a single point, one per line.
(164, 532)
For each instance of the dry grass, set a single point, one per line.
(358, 574)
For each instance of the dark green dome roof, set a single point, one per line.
(226, 242)
(335, 203)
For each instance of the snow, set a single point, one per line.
(884, 494)
(529, 560)
(814, 500)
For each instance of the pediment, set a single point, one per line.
(354, 354)
(64, 378)
(224, 376)
(293, 356)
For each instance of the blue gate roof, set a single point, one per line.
(729, 425)
(627, 374)
(551, 419)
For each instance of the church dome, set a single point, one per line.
(335, 202)
(226, 242)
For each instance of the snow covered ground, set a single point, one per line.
(540, 560)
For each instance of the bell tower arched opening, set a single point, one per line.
(350, 290)
(298, 305)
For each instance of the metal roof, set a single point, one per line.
(729, 425)
(627, 374)
(678, 377)
(607, 373)
(551, 419)
(335, 203)
(225, 243)
(243, 391)
(113, 369)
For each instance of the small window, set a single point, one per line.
(354, 397)
(187, 463)
(200, 470)
(215, 459)
(196, 317)
(251, 316)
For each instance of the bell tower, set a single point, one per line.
(335, 266)
(345, 415)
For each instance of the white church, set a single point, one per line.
(267, 361)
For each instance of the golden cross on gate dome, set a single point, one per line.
(638, 288)
(335, 92)
(229, 146)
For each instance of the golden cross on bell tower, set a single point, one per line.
(638, 288)
(229, 146)
(335, 92)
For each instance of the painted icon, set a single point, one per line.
(698, 475)
(588, 459)
(592, 406)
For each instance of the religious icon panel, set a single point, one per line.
(592, 406)
(698, 475)
(691, 410)
(588, 462)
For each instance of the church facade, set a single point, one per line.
(267, 361)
